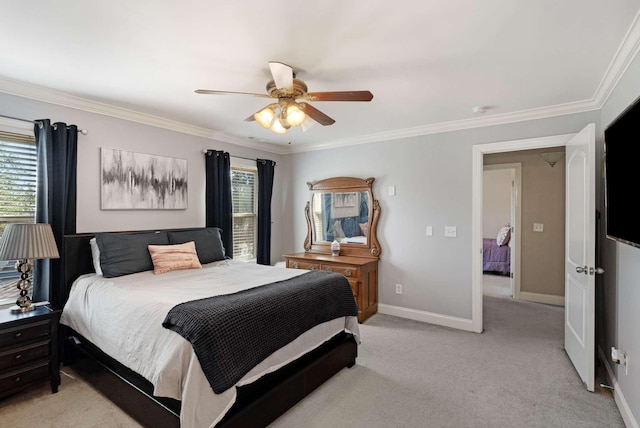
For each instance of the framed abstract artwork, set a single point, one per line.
(137, 181)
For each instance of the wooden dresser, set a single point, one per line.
(361, 272)
(343, 209)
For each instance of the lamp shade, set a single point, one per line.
(28, 241)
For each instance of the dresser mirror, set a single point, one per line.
(342, 209)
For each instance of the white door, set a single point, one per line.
(580, 270)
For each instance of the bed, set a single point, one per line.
(496, 259)
(154, 373)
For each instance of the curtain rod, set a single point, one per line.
(205, 151)
(38, 122)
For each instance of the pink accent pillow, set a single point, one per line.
(174, 257)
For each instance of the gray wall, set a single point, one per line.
(434, 187)
(619, 288)
(105, 131)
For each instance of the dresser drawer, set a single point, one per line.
(348, 271)
(24, 354)
(17, 378)
(295, 264)
(24, 333)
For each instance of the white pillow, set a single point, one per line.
(504, 235)
(95, 255)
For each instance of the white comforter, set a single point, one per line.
(123, 317)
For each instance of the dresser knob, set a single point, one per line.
(312, 267)
(18, 334)
(329, 269)
(17, 357)
(17, 379)
(347, 272)
(295, 265)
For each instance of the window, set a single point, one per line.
(17, 197)
(244, 189)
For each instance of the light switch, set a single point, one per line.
(392, 190)
(429, 231)
(538, 227)
(450, 231)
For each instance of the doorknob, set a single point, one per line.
(589, 270)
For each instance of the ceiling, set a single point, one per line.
(427, 63)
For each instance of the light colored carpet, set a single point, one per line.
(496, 285)
(408, 374)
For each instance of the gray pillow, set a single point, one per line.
(208, 242)
(122, 254)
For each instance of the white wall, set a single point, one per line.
(105, 131)
(496, 201)
(619, 289)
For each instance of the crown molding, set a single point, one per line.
(41, 93)
(623, 57)
(457, 125)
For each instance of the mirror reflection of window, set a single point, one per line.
(341, 216)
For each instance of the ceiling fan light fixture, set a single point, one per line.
(295, 115)
(278, 128)
(265, 116)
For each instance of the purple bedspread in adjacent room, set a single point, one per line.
(494, 258)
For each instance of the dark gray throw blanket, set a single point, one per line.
(231, 334)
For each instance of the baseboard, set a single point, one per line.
(429, 317)
(625, 411)
(548, 299)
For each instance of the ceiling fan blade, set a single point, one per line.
(250, 119)
(340, 96)
(316, 114)
(282, 75)
(209, 91)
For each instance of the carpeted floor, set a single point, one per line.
(408, 374)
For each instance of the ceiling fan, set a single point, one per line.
(288, 111)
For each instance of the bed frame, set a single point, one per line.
(257, 404)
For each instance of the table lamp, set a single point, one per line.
(24, 242)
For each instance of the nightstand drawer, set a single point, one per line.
(17, 378)
(348, 271)
(303, 265)
(25, 333)
(24, 354)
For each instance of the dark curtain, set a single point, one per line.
(266, 169)
(218, 208)
(56, 147)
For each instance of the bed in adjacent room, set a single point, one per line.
(143, 327)
(496, 253)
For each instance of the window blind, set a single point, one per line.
(18, 162)
(243, 194)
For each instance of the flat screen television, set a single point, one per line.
(622, 176)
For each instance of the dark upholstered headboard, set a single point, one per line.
(77, 257)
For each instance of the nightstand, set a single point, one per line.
(28, 349)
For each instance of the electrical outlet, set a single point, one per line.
(392, 190)
(538, 227)
(450, 231)
(429, 231)
(398, 288)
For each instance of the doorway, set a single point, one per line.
(502, 187)
(477, 199)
